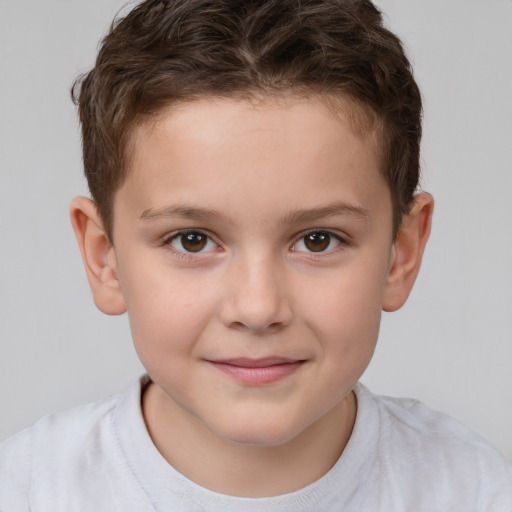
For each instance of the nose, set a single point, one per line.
(256, 297)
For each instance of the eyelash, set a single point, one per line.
(183, 253)
(341, 242)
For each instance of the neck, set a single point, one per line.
(246, 470)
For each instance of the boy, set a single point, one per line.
(253, 168)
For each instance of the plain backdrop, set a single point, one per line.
(450, 346)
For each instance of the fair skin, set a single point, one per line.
(253, 250)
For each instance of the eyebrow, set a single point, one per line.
(190, 212)
(338, 208)
(179, 211)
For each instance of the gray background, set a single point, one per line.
(450, 346)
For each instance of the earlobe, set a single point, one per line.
(407, 252)
(98, 256)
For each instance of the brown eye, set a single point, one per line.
(317, 242)
(192, 242)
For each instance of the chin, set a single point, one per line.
(257, 433)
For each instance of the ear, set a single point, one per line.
(407, 252)
(98, 256)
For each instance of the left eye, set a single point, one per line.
(317, 241)
(192, 242)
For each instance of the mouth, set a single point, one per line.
(258, 371)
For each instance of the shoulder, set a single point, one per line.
(431, 450)
(57, 429)
(15, 472)
(413, 422)
(47, 451)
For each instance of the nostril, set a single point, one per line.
(239, 326)
(265, 309)
(269, 328)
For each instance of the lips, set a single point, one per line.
(258, 371)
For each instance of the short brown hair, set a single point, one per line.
(167, 51)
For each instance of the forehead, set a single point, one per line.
(268, 152)
(308, 106)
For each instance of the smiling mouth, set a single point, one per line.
(258, 371)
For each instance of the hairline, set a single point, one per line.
(361, 118)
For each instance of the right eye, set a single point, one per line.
(192, 242)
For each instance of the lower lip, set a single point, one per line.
(259, 375)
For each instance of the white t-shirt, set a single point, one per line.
(401, 456)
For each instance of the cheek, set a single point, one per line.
(167, 312)
(345, 310)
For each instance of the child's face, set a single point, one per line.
(253, 245)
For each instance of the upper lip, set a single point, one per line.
(264, 362)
